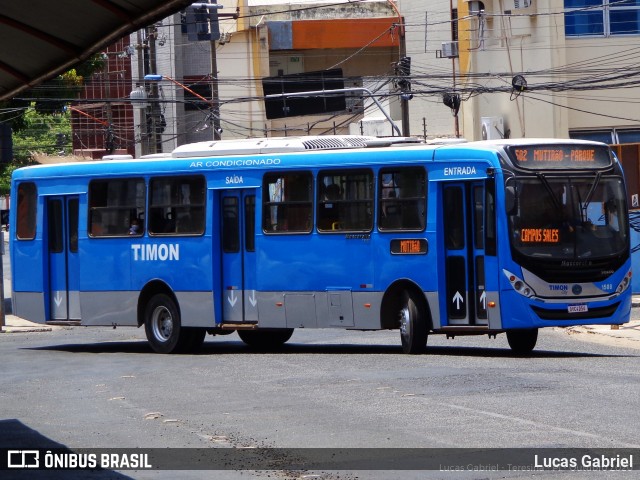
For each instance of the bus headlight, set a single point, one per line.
(624, 284)
(519, 285)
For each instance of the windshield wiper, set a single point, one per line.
(591, 190)
(545, 182)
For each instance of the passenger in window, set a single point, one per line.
(135, 229)
(330, 216)
(332, 192)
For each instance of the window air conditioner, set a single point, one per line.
(450, 49)
(492, 128)
(520, 5)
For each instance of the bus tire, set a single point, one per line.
(522, 342)
(266, 339)
(162, 326)
(413, 327)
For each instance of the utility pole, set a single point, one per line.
(143, 53)
(215, 94)
(405, 71)
(202, 24)
(156, 140)
(454, 37)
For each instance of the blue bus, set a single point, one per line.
(263, 236)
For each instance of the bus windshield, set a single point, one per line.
(568, 217)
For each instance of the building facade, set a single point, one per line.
(264, 45)
(102, 118)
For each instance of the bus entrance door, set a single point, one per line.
(62, 247)
(237, 214)
(464, 230)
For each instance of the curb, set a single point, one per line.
(12, 329)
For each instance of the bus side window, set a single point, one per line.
(345, 201)
(329, 210)
(95, 221)
(113, 203)
(177, 205)
(402, 199)
(287, 202)
(26, 218)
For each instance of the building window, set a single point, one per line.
(628, 136)
(604, 136)
(601, 17)
(610, 136)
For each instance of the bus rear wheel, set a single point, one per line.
(265, 339)
(413, 327)
(162, 326)
(522, 342)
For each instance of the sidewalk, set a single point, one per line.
(628, 331)
(13, 324)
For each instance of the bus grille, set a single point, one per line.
(600, 312)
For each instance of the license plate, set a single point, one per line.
(578, 308)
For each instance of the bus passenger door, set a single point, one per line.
(239, 303)
(464, 230)
(62, 246)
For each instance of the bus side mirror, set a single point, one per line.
(510, 200)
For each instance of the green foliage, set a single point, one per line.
(51, 96)
(49, 134)
(12, 111)
(5, 175)
(93, 64)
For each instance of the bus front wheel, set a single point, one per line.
(265, 339)
(162, 326)
(413, 327)
(522, 342)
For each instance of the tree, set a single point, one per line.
(38, 119)
(42, 133)
(51, 96)
(5, 176)
(39, 133)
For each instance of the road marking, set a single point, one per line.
(544, 426)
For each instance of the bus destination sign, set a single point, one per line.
(539, 235)
(537, 157)
(409, 246)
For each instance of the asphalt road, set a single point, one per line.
(103, 388)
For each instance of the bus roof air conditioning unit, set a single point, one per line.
(492, 128)
(450, 49)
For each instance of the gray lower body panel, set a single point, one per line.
(329, 309)
(196, 309)
(28, 305)
(121, 308)
(109, 308)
